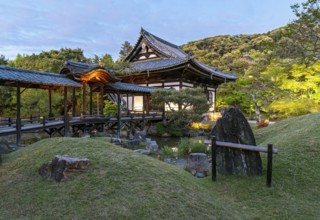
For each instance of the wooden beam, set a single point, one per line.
(74, 102)
(84, 103)
(119, 115)
(246, 147)
(50, 102)
(91, 104)
(65, 113)
(101, 99)
(18, 121)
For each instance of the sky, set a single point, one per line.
(102, 26)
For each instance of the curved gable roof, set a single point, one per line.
(165, 48)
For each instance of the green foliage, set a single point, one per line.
(167, 151)
(172, 129)
(51, 61)
(125, 50)
(3, 60)
(109, 108)
(194, 145)
(192, 102)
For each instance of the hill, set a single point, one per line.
(121, 184)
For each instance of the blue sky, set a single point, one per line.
(101, 26)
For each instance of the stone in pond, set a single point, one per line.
(198, 163)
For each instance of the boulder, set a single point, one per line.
(152, 146)
(60, 165)
(198, 164)
(233, 127)
(116, 141)
(140, 135)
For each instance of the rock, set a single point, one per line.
(116, 141)
(139, 135)
(152, 146)
(176, 161)
(60, 165)
(198, 163)
(142, 151)
(233, 127)
(200, 174)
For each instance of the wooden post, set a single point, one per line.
(84, 108)
(91, 101)
(74, 102)
(50, 103)
(101, 99)
(18, 121)
(147, 104)
(269, 165)
(119, 115)
(44, 121)
(66, 117)
(214, 159)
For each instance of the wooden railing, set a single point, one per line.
(269, 150)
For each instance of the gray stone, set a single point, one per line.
(152, 146)
(60, 165)
(142, 151)
(139, 135)
(116, 141)
(200, 175)
(233, 127)
(198, 163)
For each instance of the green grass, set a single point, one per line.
(121, 184)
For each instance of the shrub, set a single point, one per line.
(110, 109)
(173, 130)
(187, 146)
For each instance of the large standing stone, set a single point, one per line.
(233, 127)
(198, 164)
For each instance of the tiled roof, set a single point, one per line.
(127, 87)
(77, 67)
(215, 71)
(154, 64)
(35, 77)
(164, 47)
(175, 56)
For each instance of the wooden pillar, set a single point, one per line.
(84, 108)
(147, 104)
(65, 113)
(215, 99)
(101, 99)
(18, 121)
(50, 103)
(269, 165)
(214, 160)
(74, 102)
(119, 116)
(91, 104)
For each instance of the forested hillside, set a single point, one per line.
(279, 71)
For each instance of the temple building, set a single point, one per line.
(159, 63)
(153, 63)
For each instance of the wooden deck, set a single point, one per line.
(8, 127)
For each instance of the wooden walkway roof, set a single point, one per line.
(35, 79)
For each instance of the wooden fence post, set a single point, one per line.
(44, 121)
(269, 165)
(214, 159)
